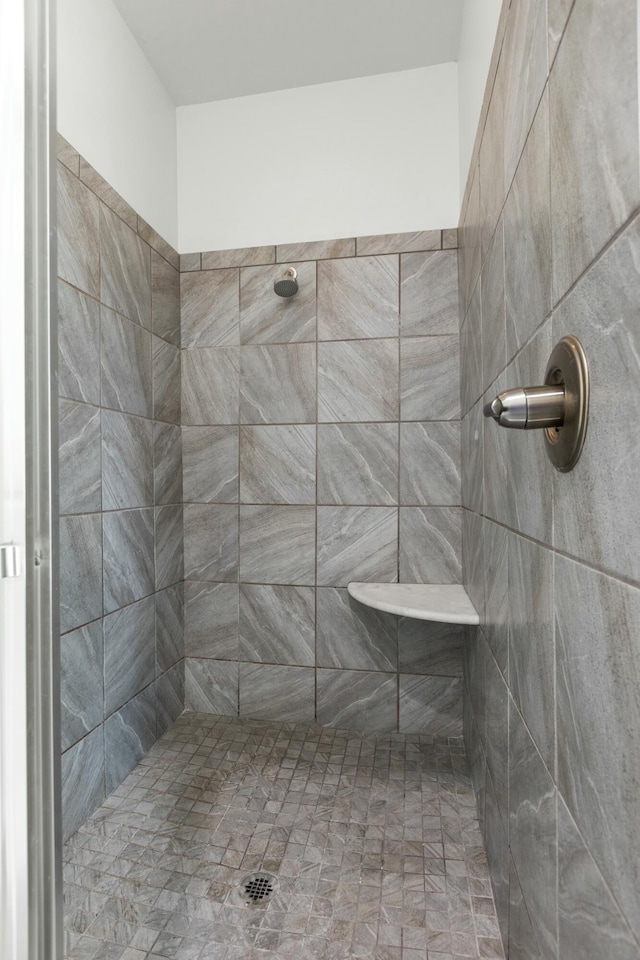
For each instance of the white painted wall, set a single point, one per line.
(372, 155)
(477, 37)
(113, 109)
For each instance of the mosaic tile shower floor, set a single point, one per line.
(374, 841)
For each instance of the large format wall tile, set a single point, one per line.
(81, 682)
(83, 781)
(209, 308)
(80, 570)
(358, 298)
(128, 557)
(128, 735)
(98, 185)
(210, 384)
(169, 698)
(210, 464)
(358, 463)
(430, 463)
(430, 544)
(357, 543)
(127, 461)
(166, 381)
(278, 464)
(167, 463)
(277, 544)
(429, 293)
(428, 648)
(430, 378)
(126, 365)
(169, 542)
(352, 636)
(170, 628)
(277, 383)
(471, 354)
(277, 693)
(595, 164)
(210, 542)
(78, 345)
(78, 230)
(431, 705)
(129, 653)
(277, 624)
(358, 381)
(492, 318)
(125, 269)
(211, 620)
(355, 700)
(165, 299)
(399, 242)
(80, 482)
(211, 686)
(267, 318)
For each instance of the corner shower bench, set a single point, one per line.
(442, 602)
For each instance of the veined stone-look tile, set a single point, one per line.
(527, 239)
(352, 636)
(429, 293)
(491, 316)
(497, 735)
(355, 700)
(358, 381)
(450, 239)
(277, 693)
(595, 168)
(491, 161)
(430, 463)
(278, 464)
(431, 705)
(158, 243)
(496, 614)
(430, 544)
(78, 234)
(190, 261)
(78, 345)
(127, 461)
(531, 640)
(522, 940)
(473, 458)
(98, 185)
(129, 653)
(429, 648)
(496, 443)
(267, 318)
(277, 383)
(471, 354)
(66, 154)
(357, 543)
(125, 269)
(128, 735)
(210, 384)
(128, 557)
(170, 627)
(170, 697)
(277, 624)
(473, 566)
(209, 308)
(126, 365)
(430, 378)
(532, 831)
(166, 381)
(590, 922)
(211, 620)
(167, 463)
(81, 682)
(557, 14)
(358, 298)
(277, 544)
(210, 542)
(242, 257)
(316, 250)
(470, 249)
(211, 686)
(526, 66)
(80, 570)
(169, 546)
(165, 299)
(210, 464)
(496, 840)
(79, 457)
(358, 463)
(399, 242)
(595, 511)
(598, 664)
(83, 782)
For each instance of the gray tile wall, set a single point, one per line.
(121, 540)
(550, 245)
(321, 444)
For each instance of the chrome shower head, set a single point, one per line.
(287, 286)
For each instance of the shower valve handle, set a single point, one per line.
(529, 408)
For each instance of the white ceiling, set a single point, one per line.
(216, 49)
